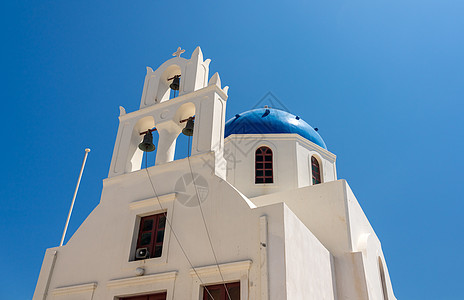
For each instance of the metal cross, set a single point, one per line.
(178, 52)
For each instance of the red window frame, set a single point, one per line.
(264, 165)
(157, 296)
(315, 170)
(218, 291)
(151, 234)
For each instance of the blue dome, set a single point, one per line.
(270, 120)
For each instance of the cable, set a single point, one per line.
(204, 221)
(172, 229)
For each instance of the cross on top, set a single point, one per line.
(178, 52)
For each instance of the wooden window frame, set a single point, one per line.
(264, 165)
(238, 271)
(221, 288)
(157, 296)
(157, 233)
(315, 171)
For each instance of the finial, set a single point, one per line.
(122, 111)
(178, 52)
(215, 80)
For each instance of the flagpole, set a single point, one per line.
(87, 150)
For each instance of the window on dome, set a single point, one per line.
(316, 170)
(263, 165)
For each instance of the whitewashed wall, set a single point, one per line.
(96, 261)
(291, 162)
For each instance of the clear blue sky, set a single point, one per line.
(382, 80)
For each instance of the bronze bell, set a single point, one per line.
(175, 83)
(188, 129)
(147, 144)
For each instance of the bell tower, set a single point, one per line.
(200, 99)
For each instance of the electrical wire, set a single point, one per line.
(172, 229)
(204, 221)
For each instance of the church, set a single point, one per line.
(255, 210)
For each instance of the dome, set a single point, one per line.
(270, 120)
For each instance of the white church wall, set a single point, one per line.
(240, 155)
(329, 172)
(75, 292)
(350, 276)
(321, 208)
(100, 251)
(364, 239)
(43, 282)
(331, 212)
(291, 159)
(371, 254)
(306, 150)
(308, 263)
(303, 166)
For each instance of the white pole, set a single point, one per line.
(87, 150)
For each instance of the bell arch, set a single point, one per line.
(183, 113)
(194, 76)
(135, 155)
(169, 133)
(165, 80)
(156, 88)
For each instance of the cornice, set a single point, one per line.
(72, 289)
(238, 266)
(179, 100)
(282, 137)
(152, 201)
(138, 280)
(178, 164)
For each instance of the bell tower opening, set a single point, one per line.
(169, 84)
(186, 118)
(134, 152)
(149, 158)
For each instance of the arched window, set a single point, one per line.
(263, 165)
(316, 170)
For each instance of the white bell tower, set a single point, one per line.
(199, 98)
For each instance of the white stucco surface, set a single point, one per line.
(307, 262)
(286, 240)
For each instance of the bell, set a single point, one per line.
(147, 144)
(175, 83)
(188, 129)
